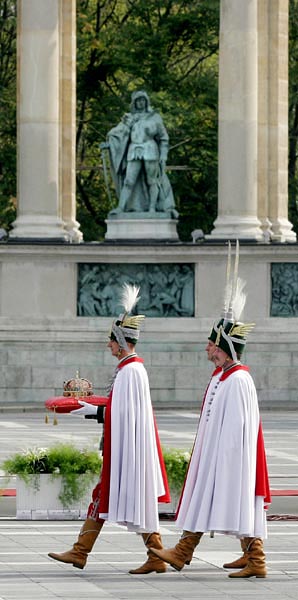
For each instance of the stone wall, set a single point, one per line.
(43, 342)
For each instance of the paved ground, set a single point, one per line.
(26, 573)
(20, 430)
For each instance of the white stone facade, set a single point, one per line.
(43, 342)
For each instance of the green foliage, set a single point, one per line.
(77, 468)
(176, 462)
(171, 50)
(33, 460)
(7, 113)
(62, 459)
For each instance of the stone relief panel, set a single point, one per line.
(284, 290)
(167, 290)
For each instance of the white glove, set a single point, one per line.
(87, 409)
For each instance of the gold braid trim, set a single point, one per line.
(134, 321)
(241, 329)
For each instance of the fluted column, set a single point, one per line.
(38, 195)
(68, 119)
(278, 17)
(263, 118)
(238, 114)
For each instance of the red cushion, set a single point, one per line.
(65, 404)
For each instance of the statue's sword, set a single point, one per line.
(105, 171)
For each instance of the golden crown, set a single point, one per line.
(77, 387)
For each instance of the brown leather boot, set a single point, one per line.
(182, 553)
(241, 562)
(152, 563)
(256, 565)
(78, 555)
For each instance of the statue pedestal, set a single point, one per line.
(141, 226)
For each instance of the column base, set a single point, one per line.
(72, 228)
(266, 229)
(38, 227)
(141, 226)
(281, 231)
(236, 228)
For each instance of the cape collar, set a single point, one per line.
(233, 370)
(129, 359)
(216, 371)
(125, 361)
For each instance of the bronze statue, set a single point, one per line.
(138, 149)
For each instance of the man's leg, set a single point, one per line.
(153, 563)
(182, 553)
(151, 168)
(132, 173)
(256, 564)
(241, 562)
(78, 554)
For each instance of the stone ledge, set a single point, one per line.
(133, 228)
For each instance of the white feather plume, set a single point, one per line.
(129, 297)
(234, 297)
(239, 300)
(228, 285)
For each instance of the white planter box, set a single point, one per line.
(38, 499)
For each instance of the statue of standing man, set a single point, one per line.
(138, 149)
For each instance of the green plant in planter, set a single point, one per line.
(176, 463)
(78, 467)
(61, 460)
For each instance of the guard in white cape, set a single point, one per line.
(226, 488)
(133, 478)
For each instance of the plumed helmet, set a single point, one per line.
(231, 338)
(231, 333)
(214, 331)
(126, 328)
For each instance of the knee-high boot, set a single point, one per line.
(78, 554)
(241, 562)
(256, 565)
(182, 553)
(152, 563)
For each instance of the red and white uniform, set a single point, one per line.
(227, 485)
(133, 478)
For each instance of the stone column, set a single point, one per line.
(39, 209)
(278, 15)
(68, 119)
(238, 114)
(263, 116)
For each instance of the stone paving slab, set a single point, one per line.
(26, 572)
(20, 430)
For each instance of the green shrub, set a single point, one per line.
(69, 462)
(176, 462)
(61, 460)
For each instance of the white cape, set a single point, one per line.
(135, 480)
(219, 493)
